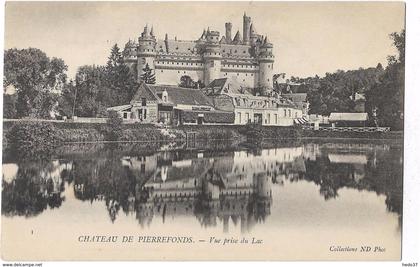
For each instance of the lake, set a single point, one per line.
(312, 199)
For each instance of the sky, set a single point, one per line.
(309, 37)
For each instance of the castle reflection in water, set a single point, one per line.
(215, 187)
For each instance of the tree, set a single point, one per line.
(187, 82)
(37, 80)
(148, 76)
(336, 91)
(385, 101)
(96, 88)
(9, 106)
(115, 58)
(83, 97)
(120, 81)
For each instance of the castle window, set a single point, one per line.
(176, 48)
(237, 74)
(236, 51)
(161, 70)
(252, 74)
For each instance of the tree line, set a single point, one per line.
(382, 88)
(42, 88)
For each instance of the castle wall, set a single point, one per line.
(246, 78)
(171, 76)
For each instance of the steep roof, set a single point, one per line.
(176, 46)
(348, 117)
(223, 85)
(182, 96)
(144, 92)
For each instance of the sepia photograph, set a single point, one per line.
(203, 131)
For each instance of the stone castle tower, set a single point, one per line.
(249, 59)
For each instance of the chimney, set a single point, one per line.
(228, 27)
(246, 29)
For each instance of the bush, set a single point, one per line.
(33, 138)
(113, 130)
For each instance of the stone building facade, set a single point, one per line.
(249, 58)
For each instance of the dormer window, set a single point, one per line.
(165, 96)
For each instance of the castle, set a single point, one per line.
(247, 58)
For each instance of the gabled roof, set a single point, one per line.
(348, 117)
(224, 86)
(144, 92)
(182, 96)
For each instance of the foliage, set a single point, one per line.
(113, 130)
(382, 88)
(148, 76)
(36, 78)
(32, 191)
(385, 102)
(31, 139)
(9, 106)
(187, 82)
(336, 91)
(98, 87)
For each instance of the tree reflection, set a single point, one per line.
(34, 188)
(214, 186)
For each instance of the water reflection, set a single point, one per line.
(213, 187)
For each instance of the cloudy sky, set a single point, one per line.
(309, 38)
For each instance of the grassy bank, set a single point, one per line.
(393, 135)
(94, 132)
